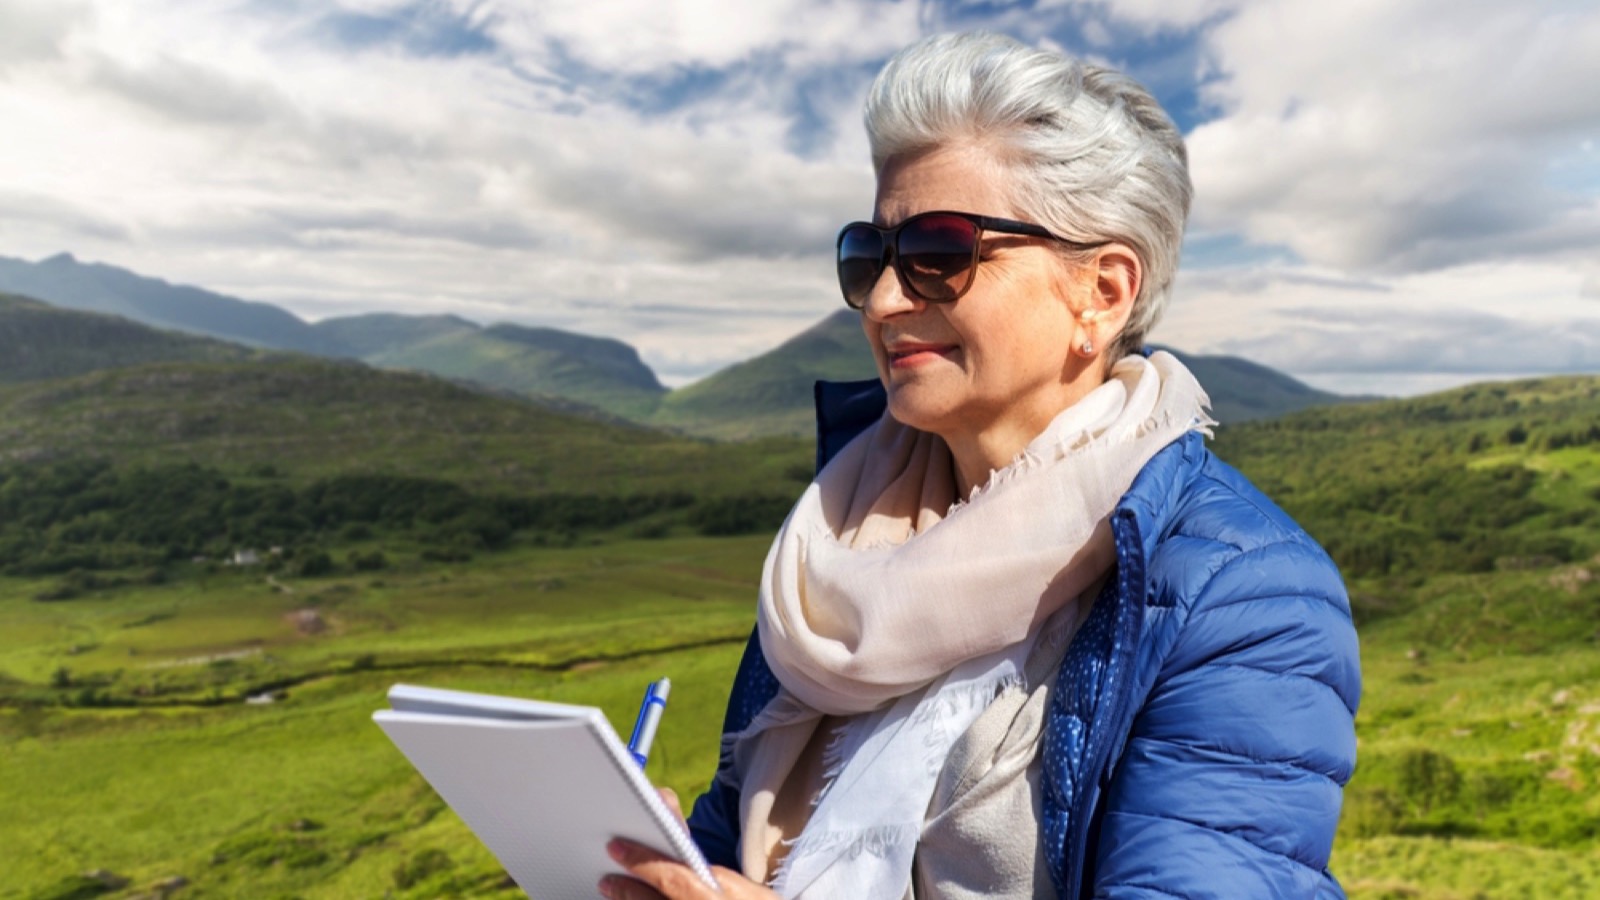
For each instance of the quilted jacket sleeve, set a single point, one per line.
(1230, 783)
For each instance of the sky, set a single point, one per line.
(1392, 196)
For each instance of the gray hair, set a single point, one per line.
(1094, 156)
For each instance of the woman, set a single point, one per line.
(1024, 636)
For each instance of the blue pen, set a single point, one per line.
(644, 728)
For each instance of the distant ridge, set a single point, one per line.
(771, 393)
(38, 342)
(94, 287)
(1243, 391)
(375, 334)
(767, 395)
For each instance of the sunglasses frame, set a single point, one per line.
(890, 238)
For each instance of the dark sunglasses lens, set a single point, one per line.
(860, 263)
(936, 256)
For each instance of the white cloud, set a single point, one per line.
(1482, 321)
(638, 38)
(31, 30)
(670, 173)
(1402, 135)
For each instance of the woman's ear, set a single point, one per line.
(1117, 275)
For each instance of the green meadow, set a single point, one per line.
(133, 761)
(128, 745)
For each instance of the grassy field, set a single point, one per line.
(1468, 526)
(168, 773)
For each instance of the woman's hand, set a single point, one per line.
(656, 876)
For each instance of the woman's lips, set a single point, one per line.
(908, 355)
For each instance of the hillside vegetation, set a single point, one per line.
(539, 362)
(1468, 527)
(771, 393)
(40, 342)
(312, 418)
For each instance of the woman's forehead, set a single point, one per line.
(965, 178)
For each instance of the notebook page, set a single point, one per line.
(544, 796)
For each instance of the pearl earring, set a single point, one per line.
(1087, 348)
(1086, 316)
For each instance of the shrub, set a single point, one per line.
(739, 515)
(1428, 779)
(314, 564)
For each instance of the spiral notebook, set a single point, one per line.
(543, 785)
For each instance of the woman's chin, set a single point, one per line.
(921, 406)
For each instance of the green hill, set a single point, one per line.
(38, 341)
(537, 362)
(314, 417)
(771, 394)
(1243, 391)
(378, 333)
(1485, 478)
(767, 395)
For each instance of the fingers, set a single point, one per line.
(654, 875)
(670, 798)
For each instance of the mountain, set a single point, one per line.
(317, 417)
(767, 395)
(38, 341)
(1243, 391)
(771, 393)
(93, 287)
(599, 372)
(379, 333)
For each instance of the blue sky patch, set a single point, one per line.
(421, 29)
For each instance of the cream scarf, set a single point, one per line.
(885, 600)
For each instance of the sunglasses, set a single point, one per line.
(935, 254)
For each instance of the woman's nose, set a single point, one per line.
(889, 297)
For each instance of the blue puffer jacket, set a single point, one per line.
(1202, 726)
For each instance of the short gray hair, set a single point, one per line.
(1094, 156)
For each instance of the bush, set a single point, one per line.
(1428, 779)
(314, 564)
(739, 515)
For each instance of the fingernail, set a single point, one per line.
(605, 887)
(614, 850)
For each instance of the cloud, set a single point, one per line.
(32, 210)
(631, 37)
(1326, 341)
(1402, 136)
(1489, 320)
(672, 173)
(33, 30)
